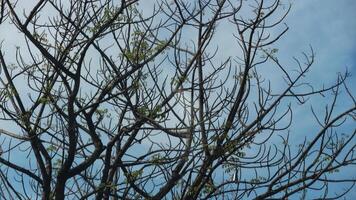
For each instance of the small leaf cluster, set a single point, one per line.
(156, 112)
(132, 176)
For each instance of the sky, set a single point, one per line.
(328, 26)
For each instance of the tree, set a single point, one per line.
(110, 100)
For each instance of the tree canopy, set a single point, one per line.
(109, 99)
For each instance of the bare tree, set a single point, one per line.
(112, 100)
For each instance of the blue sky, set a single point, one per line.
(330, 28)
